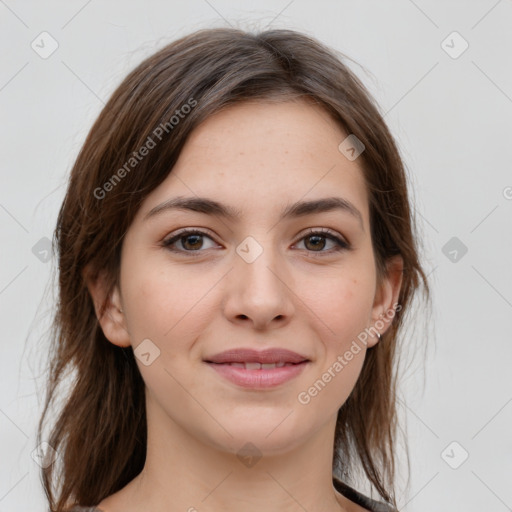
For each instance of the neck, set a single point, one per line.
(184, 472)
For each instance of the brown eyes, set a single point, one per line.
(192, 241)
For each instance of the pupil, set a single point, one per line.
(317, 238)
(197, 237)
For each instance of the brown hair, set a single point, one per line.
(100, 429)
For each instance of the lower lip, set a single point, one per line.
(259, 378)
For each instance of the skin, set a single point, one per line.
(259, 158)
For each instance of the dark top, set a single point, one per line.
(361, 499)
(341, 487)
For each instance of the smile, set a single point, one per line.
(258, 375)
(258, 366)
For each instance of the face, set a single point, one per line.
(258, 279)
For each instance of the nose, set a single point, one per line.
(259, 293)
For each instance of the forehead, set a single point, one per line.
(255, 155)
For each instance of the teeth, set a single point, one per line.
(259, 366)
(253, 366)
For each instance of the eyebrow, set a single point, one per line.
(298, 209)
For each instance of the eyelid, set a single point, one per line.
(324, 231)
(192, 230)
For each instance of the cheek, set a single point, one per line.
(154, 299)
(167, 305)
(344, 305)
(343, 308)
(335, 377)
(343, 316)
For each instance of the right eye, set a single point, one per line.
(190, 240)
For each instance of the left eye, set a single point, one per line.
(192, 241)
(318, 239)
(191, 238)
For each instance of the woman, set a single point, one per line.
(236, 254)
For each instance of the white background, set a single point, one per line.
(452, 118)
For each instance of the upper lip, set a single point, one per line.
(248, 355)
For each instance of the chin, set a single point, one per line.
(264, 437)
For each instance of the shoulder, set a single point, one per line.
(363, 501)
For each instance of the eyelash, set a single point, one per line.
(341, 245)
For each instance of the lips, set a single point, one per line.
(258, 370)
(258, 366)
(255, 360)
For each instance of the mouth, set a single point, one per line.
(246, 356)
(252, 369)
(258, 366)
(257, 375)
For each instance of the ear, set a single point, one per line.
(386, 299)
(112, 319)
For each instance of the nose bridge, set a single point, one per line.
(257, 265)
(258, 290)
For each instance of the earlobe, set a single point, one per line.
(111, 318)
